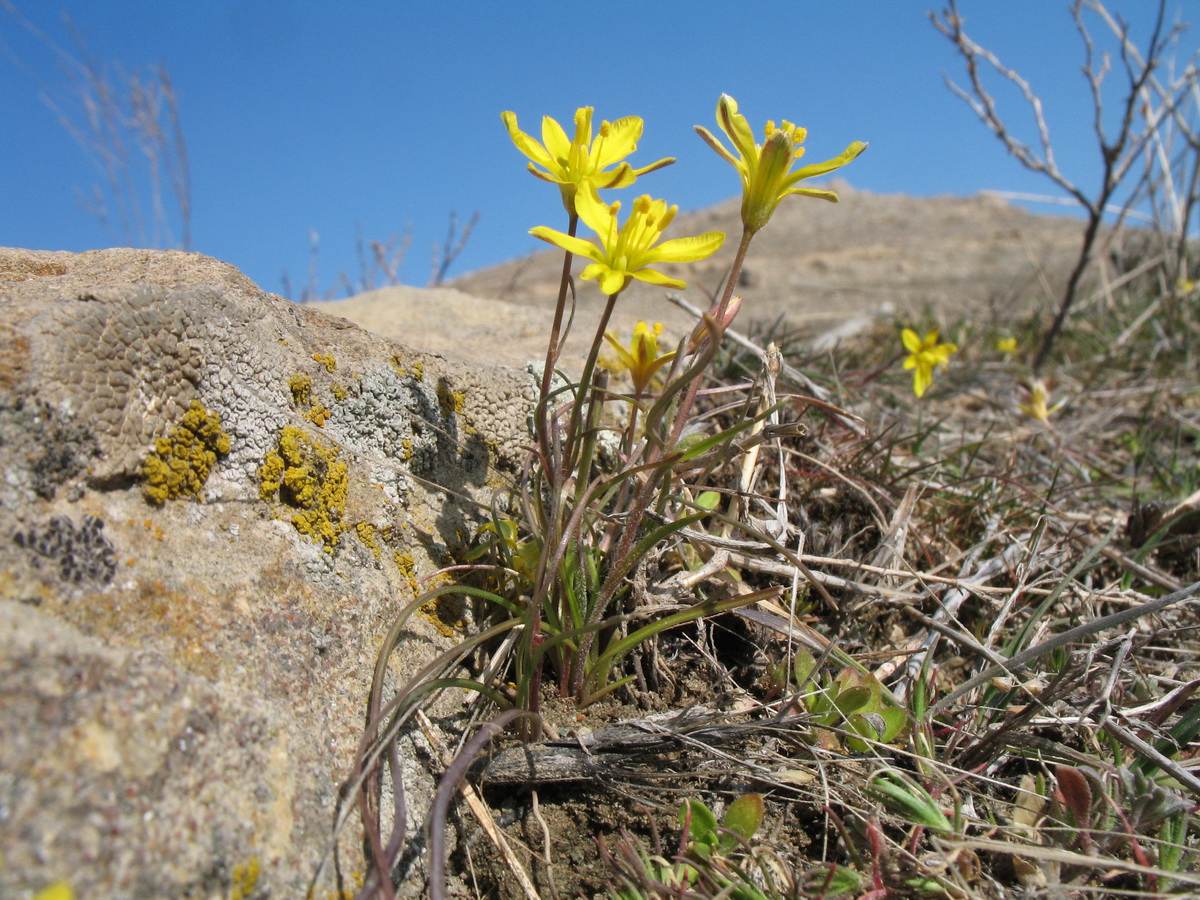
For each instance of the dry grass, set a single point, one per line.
(1008, 582)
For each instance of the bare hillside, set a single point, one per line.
(815, 266)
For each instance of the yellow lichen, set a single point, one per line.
(309, 477)
(270, 475)
(301, 387)
(366, 534)
(406, 449)
(447, 613)
(339, 392)
(451, 401)
(182, 461)
(408, 568)
(418, 370)
(327, 360)
(245, 879)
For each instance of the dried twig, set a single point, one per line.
(450, 250)
(1118, 152)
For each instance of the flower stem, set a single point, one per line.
(554, 350)
(685, 407)
(734, 271)
(574, 438)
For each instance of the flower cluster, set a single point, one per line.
(584, 165)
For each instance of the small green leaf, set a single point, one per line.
(802, 666)
(853, 700)
(743, 818)
(907, 798)
(831, 880)
(894, 720)
(709, 500)
(703, 824)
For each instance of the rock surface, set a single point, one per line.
(184, 662)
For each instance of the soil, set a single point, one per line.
(558, 827)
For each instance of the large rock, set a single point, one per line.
(190, 608)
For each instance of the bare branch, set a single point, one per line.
(1140, 132)
(106, 111)
(450, 249)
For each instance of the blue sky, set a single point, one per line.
(319, 115)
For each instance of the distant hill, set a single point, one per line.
(814, 266)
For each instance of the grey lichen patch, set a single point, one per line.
(81, 553)
(394, 415)
(499, 407)
(48, 450)
(246, 387)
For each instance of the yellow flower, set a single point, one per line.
(641, 359)
(570, 162)
(1035, 402)
(1007, 346)
(765, 168)
(924, 355)
(626, 252)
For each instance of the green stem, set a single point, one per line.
(554, 349)
(573, 436)
(734, 271)
(552, 466)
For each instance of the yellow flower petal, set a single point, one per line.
(576, 245)
(688, 249)
(765, 169)
(622, 253)
(571, 162)
(617, 142)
